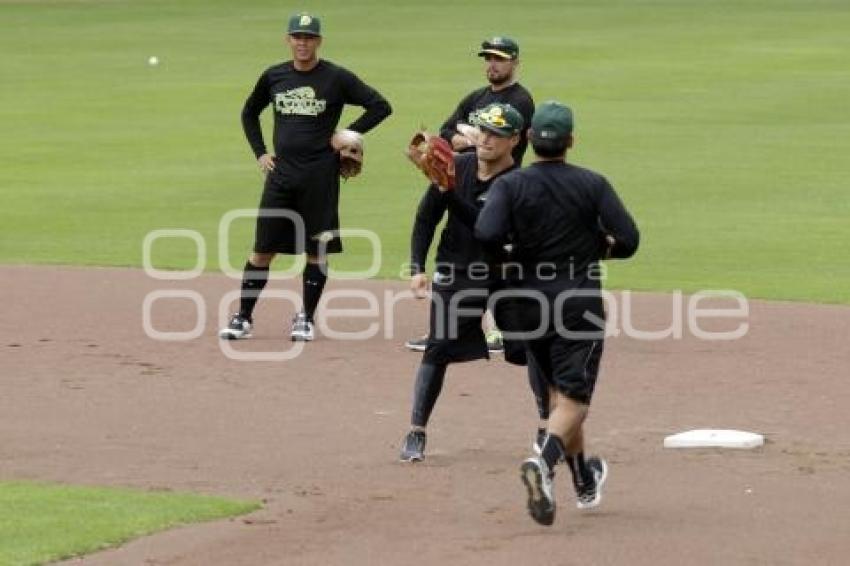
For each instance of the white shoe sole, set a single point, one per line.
(230, 334)
(301, 337)
(414, 347)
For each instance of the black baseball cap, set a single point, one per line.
(304, 23)
(500, 46)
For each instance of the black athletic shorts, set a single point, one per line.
(310, 191)
(455, 333)
(571, 366)
(568, 352)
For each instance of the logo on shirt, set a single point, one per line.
(300, 101)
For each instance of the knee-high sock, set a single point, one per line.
(540, 389)
(429, 383)
(552, 452)
(580, 471)
(254, 280)
(314, 278)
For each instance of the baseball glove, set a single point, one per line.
(349, 144)
(434, 157)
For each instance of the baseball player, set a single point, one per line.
(459, 296)
(501, 59)
(562, 219)
(302, 176)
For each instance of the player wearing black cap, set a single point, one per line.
(307, 95)
(562, 219)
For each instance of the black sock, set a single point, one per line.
(540, 388)
(253, 281)
(313, 281)
(553, 450)
(581, 473)
(429, 383)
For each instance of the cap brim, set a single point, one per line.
(304, 32)
(495, 130)
(496, 52)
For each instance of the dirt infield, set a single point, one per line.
(88, 398)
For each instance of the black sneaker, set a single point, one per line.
(589, 496)
(417, 344)
(413, 449)
(238, 328)
(537, 478)
(302, 328)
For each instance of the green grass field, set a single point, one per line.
(43, 522)
(722, 124)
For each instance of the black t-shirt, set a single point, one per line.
(458, 246)
(557, 214)
(307, 107)
(516, 95)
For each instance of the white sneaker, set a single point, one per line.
(537, 478)
(302, 328)
(238, 328)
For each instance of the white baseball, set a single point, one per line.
(153, 60)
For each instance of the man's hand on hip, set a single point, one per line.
(265, 162)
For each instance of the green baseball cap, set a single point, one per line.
(500, 119)
(304, 23)
(551, 121)
(500, 46)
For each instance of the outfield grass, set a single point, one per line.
(722, 124)
(45, 522)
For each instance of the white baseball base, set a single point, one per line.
(711, 438)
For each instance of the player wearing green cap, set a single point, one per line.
(465, 272)
(562, 220)
(299, 207)
(501, 64)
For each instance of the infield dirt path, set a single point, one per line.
(88, 398)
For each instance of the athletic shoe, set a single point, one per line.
(238, 328)
(537, 478)
(417, 344)
(591, 496)
(302, 328)
(413, 449)
(539, 439)
(494, 342)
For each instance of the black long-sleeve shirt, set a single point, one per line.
(457, 246)
(307, 107)
(516, 95)
(558, 214)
